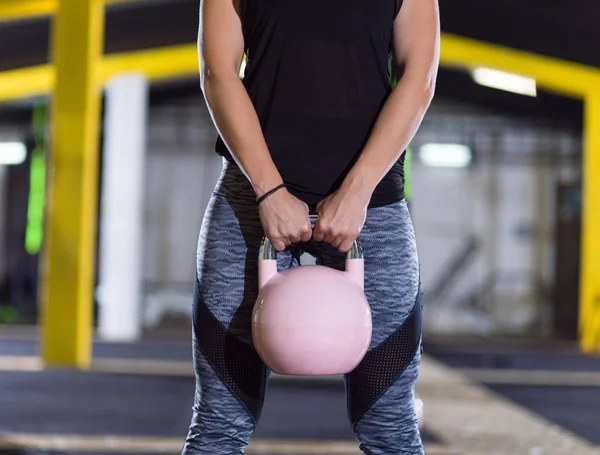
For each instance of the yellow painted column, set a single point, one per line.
(68, 263)
(589, 299)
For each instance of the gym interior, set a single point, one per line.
(107, 164)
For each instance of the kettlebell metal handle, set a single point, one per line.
(268, 252)
(267, 262)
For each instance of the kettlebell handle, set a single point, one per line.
(268, 252)
(267, 262)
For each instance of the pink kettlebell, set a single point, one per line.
(311, 320)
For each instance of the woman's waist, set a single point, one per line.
(235, 186)
(233, 183)
(309, 183)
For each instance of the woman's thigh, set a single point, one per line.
(381, 389)
(391, 267)
(231, 377)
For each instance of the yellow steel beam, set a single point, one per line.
(11, 10)
(22, 9)
(156, 64)
(570, 79)
(589, 314)
(559, 76)
(69, 253)
(26, 82)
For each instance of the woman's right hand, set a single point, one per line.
(285, 219)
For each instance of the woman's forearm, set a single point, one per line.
(236, 120)
(393, 131)
(416, 43)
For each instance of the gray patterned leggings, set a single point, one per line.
(230, 377)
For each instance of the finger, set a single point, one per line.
(346, 245)
(293, 237)
(307, 233)
(337, 241)
(278, 245)
(329, 236)
(318, 234)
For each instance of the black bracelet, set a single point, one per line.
(268, 193)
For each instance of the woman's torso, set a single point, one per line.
(318, 74)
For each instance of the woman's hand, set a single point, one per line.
(341, 218)
(285, 219)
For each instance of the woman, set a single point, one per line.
(313, 128)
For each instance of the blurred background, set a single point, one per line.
(106, 166)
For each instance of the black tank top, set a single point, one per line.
(318, 74)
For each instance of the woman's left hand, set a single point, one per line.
(341, 218)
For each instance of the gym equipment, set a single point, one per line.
(419, 411)
(311, 320)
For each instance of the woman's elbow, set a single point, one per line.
(425, 79)
(420, 81)
(206, 76)
(429, 90)
(212, 76)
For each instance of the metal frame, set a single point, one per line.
(67, 264)
(28, 9)
(561, 77)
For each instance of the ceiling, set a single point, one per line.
(566, 29)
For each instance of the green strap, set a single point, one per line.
(408, 154)
(408, 173)
(34, 232)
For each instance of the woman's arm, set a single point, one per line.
(416, 45)
(284, 218)
(416, 42)
(220, 51)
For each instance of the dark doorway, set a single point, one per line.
(568, 253)
(20, 288)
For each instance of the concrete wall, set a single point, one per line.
(506, 202)
(181, 172)
(513, 234)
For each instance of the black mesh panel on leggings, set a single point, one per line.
(383, 365)
(237, 364)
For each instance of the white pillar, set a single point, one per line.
(121, 215)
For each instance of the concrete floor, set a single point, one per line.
(574, 407)
(137, 399)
